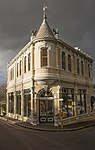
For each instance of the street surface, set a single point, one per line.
(17, 138)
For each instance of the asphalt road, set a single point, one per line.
(17, 138)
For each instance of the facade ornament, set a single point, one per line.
(56, 32)
(44, 10)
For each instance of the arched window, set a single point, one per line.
(44, 57)
(44, 93)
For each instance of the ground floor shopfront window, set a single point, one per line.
(11, 102)
(18, 102)
(92, 103)
(81, 98)
(68, 102)
(27, 103)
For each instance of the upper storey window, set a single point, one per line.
(69, 63)
(20, 68)
(44, 57)
(82, 68)
(63, 60)
(89, 75)
(17, 69)
(12, 73)
(25, 64)
(29, 61)
(78, 70)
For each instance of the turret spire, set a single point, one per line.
(44, 32)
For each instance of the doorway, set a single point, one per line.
(46, 110)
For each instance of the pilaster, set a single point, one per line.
(57, 108)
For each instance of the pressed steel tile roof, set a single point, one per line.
(44, 31)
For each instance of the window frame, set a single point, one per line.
(17, 72)
(78, 67)
(69, 63)
(25, 64)
(20, 68)
(29, 62)
(82, 68)
(89, 72)
(63, 60)
(44, 57)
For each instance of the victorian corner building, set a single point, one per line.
(49, 81)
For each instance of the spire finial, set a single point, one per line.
(44, 10)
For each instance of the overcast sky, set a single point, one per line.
(74, 18)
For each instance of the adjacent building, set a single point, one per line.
(49, 80)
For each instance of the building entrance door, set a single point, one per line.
(46, 110)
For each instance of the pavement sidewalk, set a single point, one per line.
(45, 127)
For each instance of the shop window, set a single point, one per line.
(27, 103)
(63, 60)
(68, 102)
(11, 102)
(92, 103)
(18, 102)
(44, 57)
(81, 101)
